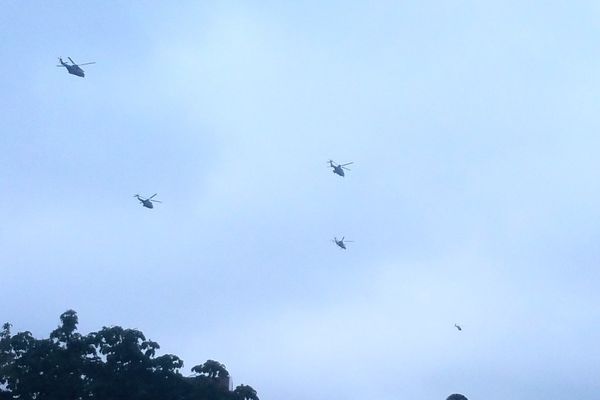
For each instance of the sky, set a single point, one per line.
(473, 197)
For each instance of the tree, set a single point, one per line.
(211, 368)
(456, 397)
(245, 392)
(6, 361)
(111, 364)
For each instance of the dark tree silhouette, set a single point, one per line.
(245, 392)
(213, 376)
(456, 397)
(111, 364)
(211, 368)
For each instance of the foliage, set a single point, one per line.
(212, 369)
(245, 392)
(111, 364)
(456, 397)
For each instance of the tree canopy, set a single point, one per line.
(111, 364)
(456, 396)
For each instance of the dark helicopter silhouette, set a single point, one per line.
(339, 168)
(341, 242)
(147, 202)
(458, 327)
(73, 69)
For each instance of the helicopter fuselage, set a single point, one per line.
(75, 70)
(341, 244)
(148, 203)
(145, 202)
(338, 170)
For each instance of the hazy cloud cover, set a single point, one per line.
(474, 195)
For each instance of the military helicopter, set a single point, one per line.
(73, 69)
(458, 327)
(341, 242)
(147, 202)
(339, 168)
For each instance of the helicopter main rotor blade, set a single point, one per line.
(60, 66)
(152, 196)
(348, 163)
(156, 201)
(346, 168)
(93, 62)
(72, 60)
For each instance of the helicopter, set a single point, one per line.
(341, 242)
(458, 327)
(339, 168)
(147, 202)
(73, 69)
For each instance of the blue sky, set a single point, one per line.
(473, 197)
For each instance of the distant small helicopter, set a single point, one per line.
(341, 243)
(147, 202)
(458, 327)
(73, 69)
(339, 168)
